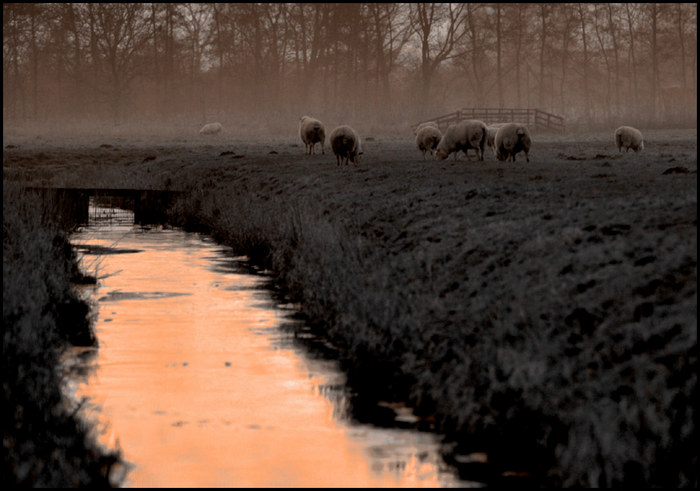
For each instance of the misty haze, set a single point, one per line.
(256, 68)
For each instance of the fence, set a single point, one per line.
(534, 118)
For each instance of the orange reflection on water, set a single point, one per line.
(191, 385)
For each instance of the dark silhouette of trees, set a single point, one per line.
(595, 64)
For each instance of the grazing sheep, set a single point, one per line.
(345, 143)
(423, 125)
(491, 131)
(512, 138)
(427, 139)
(628, 137)
(211, 129)
(311, 132)
(463, 136)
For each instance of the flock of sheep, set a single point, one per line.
(504, 139)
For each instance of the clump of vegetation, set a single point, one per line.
(44, 443)
(530, 329)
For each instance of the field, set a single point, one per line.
(544, 313)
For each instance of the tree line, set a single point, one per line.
(593, 63)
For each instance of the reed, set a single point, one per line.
(472, 317)
(45, 444)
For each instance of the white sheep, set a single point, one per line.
(312, 131)
(423, 125)
(628, 137)
(491, 131)
(512, 138)
(346, 144)
(211, 129)
(427, 139)
(463, 136)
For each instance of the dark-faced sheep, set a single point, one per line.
(628, 137)
(463, 136)
(211, 129)
(512, 138)
(427, 139)
(312, 131)
(346, 144)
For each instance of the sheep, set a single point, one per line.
(463, 136)
(345, 143)
(427, 139)
(211, 129)
(312, 131)
(628, 137)
(491, 135)
(510, 139)
(423, 125)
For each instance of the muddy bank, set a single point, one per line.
(551, 306)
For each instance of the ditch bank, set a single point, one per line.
(44, 443)
(543, 315)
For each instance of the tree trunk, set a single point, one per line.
(499, 74)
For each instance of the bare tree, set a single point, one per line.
(196, 22)
(632, 62)
(592, 62)
(119, 33)
(311, 26)
(583, 20)
(473, 58)
(388, 30)
(439, 27)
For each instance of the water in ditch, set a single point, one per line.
(199, 380)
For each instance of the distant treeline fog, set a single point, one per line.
(389, 64)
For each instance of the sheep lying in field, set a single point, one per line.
(211, 129)
(510, 139)
(491, 131)
(463, 136)
(427, 139)
(628, 137)
(346, 144)
(432, 124)
(312, 131)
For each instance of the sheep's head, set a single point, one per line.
(440, 154)
(357, 156)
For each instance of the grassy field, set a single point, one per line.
(544, 313)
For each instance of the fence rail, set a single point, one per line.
(536, 118)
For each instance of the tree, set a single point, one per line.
(439, 28)
(388, 32)
(119, 33)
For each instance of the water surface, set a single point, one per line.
(199, 383)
